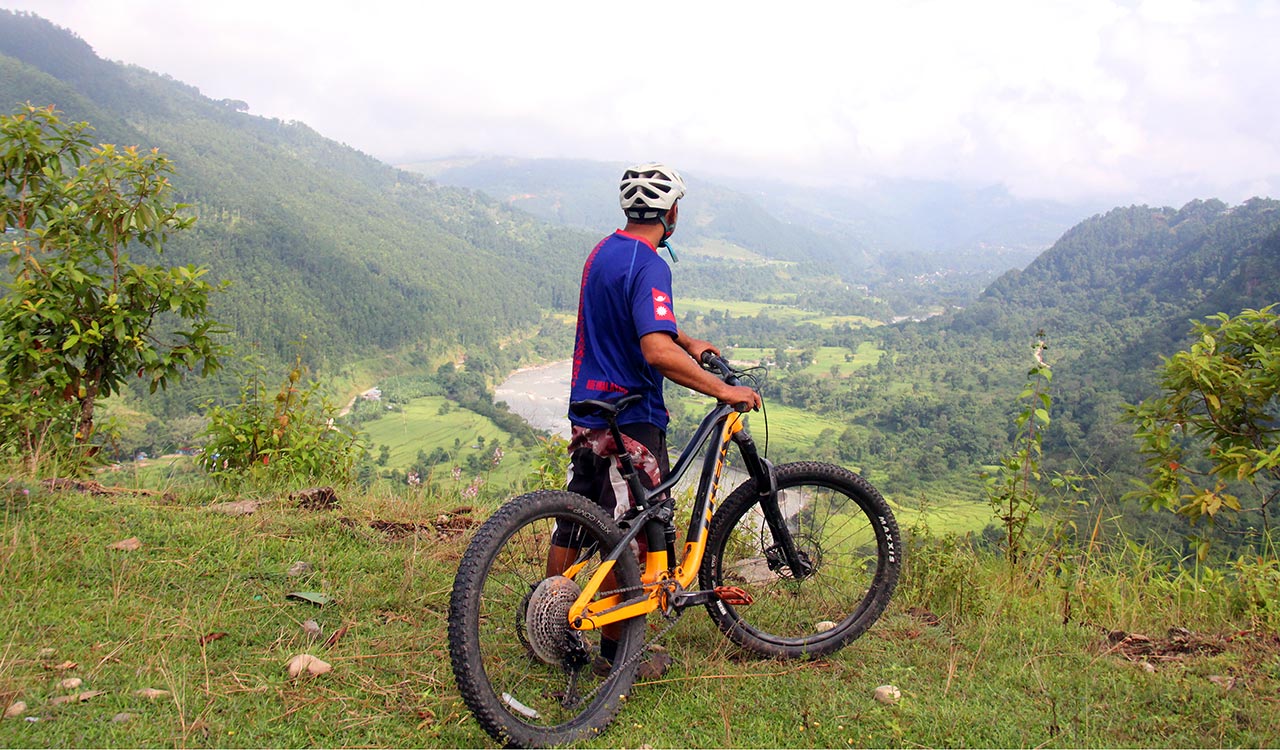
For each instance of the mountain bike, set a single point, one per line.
(798, 561)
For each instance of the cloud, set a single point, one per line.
(1132, 102)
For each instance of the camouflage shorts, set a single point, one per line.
(594, 469)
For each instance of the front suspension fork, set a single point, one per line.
(761, 470)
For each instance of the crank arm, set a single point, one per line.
(731, 595)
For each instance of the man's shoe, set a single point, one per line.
(651, 668)
(655, 666)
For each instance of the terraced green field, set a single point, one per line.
(791, 426)
(778, 311)
(722, 249)
(421, 426)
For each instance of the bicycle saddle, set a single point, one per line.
(607, 409)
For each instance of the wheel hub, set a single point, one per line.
(808, 550)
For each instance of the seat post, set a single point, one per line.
(609, 411)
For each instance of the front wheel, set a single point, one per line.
(528, 678)
(845, 534)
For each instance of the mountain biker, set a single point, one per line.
(627, 342)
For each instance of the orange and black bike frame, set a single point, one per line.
(665, 583)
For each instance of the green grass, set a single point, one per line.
(957, 517)
(160, 471)
(1001, 670)
(419, 426)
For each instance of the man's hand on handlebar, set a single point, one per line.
(742, 398)
(697, 348)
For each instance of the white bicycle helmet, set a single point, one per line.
(648, 191)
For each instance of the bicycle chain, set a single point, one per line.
(672, 618)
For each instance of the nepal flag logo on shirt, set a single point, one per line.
(662, 306)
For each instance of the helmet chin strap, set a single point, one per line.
(667, 231)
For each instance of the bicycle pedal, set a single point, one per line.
(733, 595)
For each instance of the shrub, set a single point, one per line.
(289, 435)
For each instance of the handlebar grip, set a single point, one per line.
(715, 362)
(719, 365)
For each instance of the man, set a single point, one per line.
(628, 342)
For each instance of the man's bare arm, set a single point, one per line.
(675, 363)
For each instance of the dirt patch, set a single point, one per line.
(316, 498)
(90, 487)
(443, 526)
(1180, 644)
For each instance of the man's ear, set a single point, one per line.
(673, 213)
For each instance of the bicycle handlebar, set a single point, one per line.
(718, 365)
(711, 361)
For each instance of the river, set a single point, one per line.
(541, 396)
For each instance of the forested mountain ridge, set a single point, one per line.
(1115, 294)
(1111, 297)
(318, 239)
(1157, 267)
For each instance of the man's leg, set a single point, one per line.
(597, 478)
(653, 467)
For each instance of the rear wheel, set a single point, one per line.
(527, 676)
(846, 535)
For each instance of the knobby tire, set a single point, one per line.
(844, 528)
(517, 698)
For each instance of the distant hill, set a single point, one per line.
(1143, 270)
(872, 234)
(318, 239)
(714, 220)
(1115, 294)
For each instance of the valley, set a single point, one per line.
(1033, 385)
(895, 319)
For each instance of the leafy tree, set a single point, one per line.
(81, 317)
(1216, 423)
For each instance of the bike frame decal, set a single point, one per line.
(700, 523)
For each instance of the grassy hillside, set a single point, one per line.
(184, 639)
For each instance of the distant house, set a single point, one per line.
(373, 394)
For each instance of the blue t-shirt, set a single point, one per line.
(626, 294)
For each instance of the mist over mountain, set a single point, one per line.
(874, 234)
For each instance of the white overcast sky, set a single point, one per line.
(1156, 101)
